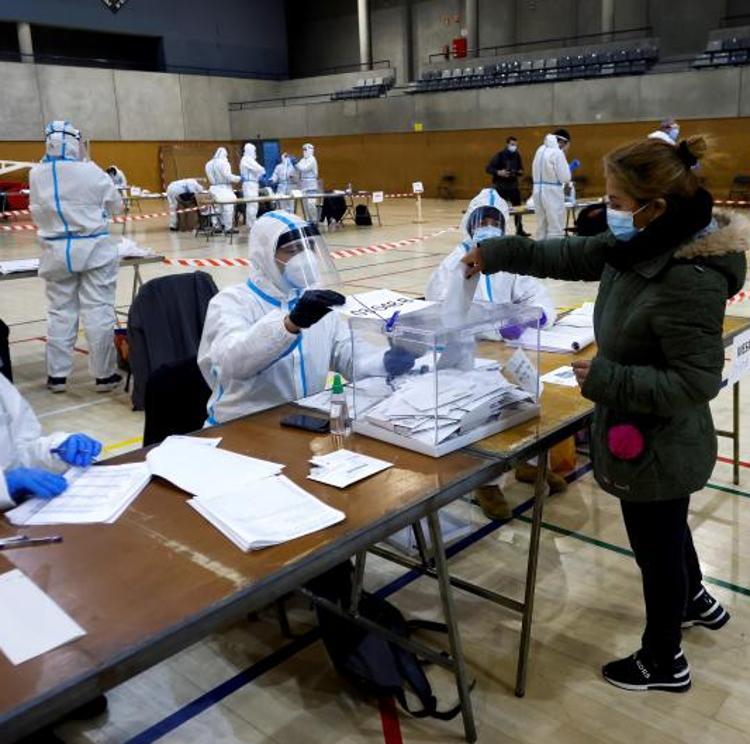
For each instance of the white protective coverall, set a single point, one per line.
(499, 288)
(250, 171)
(308, 169)
(221, 178)
(550, 172)
(285, 178)
(69, 202)
(21, 442)
(175, 190)
(248, 357)
(119, 179)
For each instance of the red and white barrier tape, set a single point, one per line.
(30, 227)
(399, 196)
(731, 203)
(343, 253)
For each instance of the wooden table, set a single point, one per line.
(162, 578)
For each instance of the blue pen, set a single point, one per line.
(59, 452)
(390, 324)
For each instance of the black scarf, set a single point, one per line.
(682, 219)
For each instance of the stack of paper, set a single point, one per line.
(18, 265)
(344, 467)
(464, 400)
(270, 512)
(204, 470)
(31, 623)
(573, 332)
(128, 248)
(244, 498)
(98, 494)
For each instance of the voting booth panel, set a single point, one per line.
(439, 393)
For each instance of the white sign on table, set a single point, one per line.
(740, 352)
(377, 197)
(417, 187)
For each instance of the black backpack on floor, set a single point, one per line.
(374, 665)
(362, 216)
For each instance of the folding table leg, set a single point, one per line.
(454, 637)
(359, 577)
(540, 493)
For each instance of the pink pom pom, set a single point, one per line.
(625, 442)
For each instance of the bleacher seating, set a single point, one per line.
(605, 63)
(724, 52)
(365, 88)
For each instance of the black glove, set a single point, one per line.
(314, 305)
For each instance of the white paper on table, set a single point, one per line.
(268, 512)
(557, 339)
(128, 248)
(206, 441)
(561, 376)
(370, 390)
(206, 471)
(581, 317)
(740, 354)
(95, 495)
(31, 623)
(344, 467)
(380, 303)
(18, 265)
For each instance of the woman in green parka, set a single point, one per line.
(666, 267)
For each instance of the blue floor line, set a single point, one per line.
(218, 693)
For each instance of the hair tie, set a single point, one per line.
(687, 157)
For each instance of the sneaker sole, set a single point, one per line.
(658, 687)
(717, 624)
(108, 388)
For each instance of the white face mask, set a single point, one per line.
(301, 273)
(512, 148)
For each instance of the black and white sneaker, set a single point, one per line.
(639, 673)
(705, 610)
(105, 384)
(57, 384)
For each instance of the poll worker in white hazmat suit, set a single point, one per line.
(30, 462)
(221, 178)
(487, 217)
(176, 189)
(251, 171)
(309, 182)
(668, 131)
(118, 176)
(274, 339)
(285, 178)
(550, 171)
(70, 204)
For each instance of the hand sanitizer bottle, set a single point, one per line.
(341, 424)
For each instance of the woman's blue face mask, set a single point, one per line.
(487, 231)
(621, 223)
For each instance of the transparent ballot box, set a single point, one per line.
(450, 379)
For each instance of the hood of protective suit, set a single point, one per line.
(249, 151)
(62, 140)
(663, 136)
(264, 237)
(485, 198)
(221, 154)
(550, 140)
(308, 149)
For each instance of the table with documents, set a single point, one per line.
(163, 576)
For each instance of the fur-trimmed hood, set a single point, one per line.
(722, 246)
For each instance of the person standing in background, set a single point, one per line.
(308, 169)
(506, 167)
(551, 172)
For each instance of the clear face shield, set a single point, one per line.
(486, 222)
(304, 262)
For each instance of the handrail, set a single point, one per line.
(381, 64)
(564, 41)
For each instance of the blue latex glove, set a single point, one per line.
(293, 160)
(512, 332)
(24, 481)
(398, 361)
(575, 165)
(79, 450)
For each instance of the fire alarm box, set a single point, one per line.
(459, 47)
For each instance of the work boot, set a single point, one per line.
(526, 473)
(493, 503)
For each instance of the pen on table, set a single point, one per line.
(24, 541)
(59, 452)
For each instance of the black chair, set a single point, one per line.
(6, 367)
(175, 402)
(165, 324)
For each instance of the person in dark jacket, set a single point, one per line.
(666, 267)
(506, 167)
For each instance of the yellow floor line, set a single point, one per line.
(124, 443)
